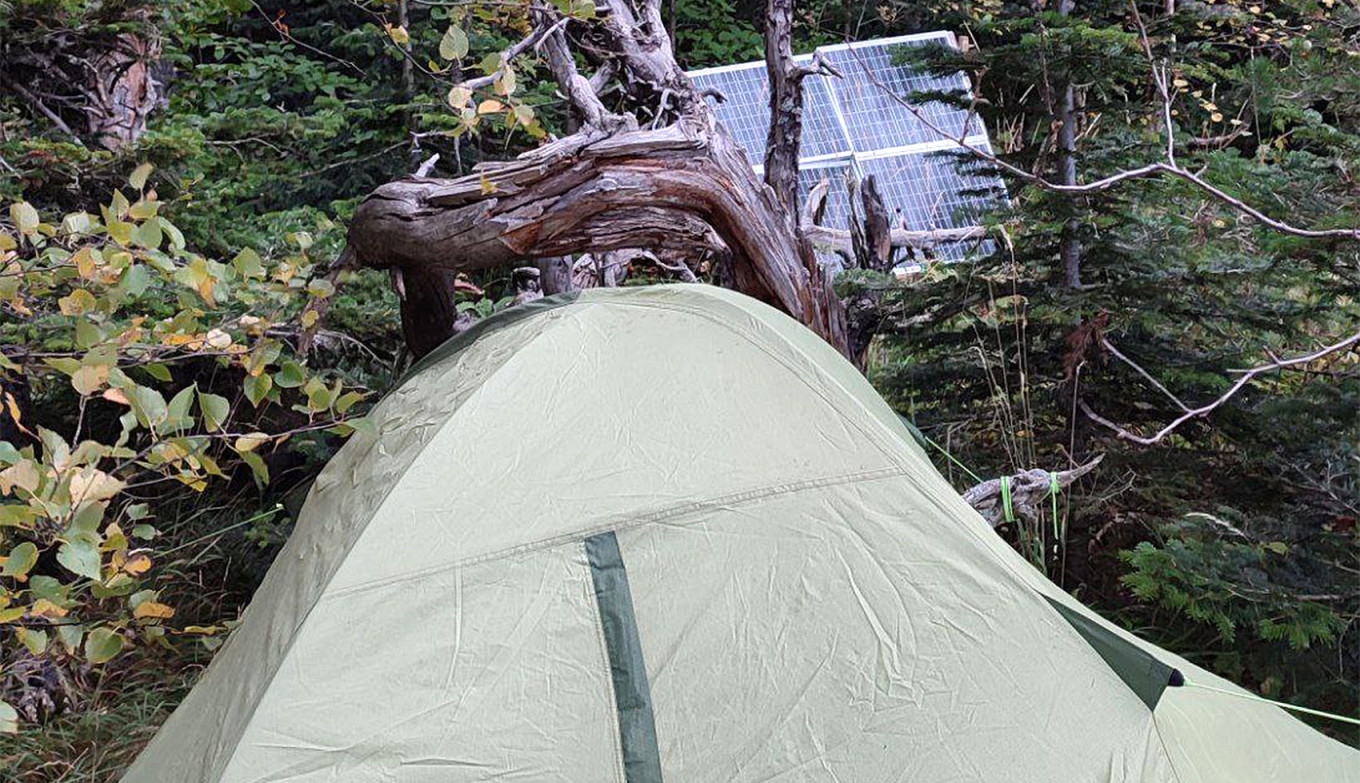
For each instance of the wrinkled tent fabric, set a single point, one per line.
(667, 533)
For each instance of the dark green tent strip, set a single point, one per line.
(1145, 675)
(632, 693)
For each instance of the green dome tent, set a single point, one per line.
(667, 533)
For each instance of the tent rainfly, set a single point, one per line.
(667, 533)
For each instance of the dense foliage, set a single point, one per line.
(1232, 539)
(179, 357)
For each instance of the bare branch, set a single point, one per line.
(1247, 376)
(833, 240)
(1028, 490)
(574, 86)
(531, 41)
(1105, 343)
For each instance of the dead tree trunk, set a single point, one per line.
(1070, 246)
(683, 187)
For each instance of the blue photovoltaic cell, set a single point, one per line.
(822, 133)
(876, 120)
(746, 112)
(850, 124)
(837, 211)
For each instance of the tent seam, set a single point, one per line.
(219, 772)
(1170, 762)
(742, 498)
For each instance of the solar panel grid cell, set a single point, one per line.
(876, 120)
(837, 211)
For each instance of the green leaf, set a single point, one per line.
(34, 640)
(257, 467)
(177, 412)
(144, 532)
(9, 719)
(88, 334)
(176, 236)
(159, 371)
(50, 588)
(257, 387)
(148, 234)
(21, 560)
(102, 645)
(80, 557)
(136, 279)
(290, 375)
(347, 401)
(247, 264)
(454, 44)
(138, 177)
(25, 217)
(148, 404)
(215, 409)
(70, 636)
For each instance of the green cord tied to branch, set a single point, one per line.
(1053, 489)
(1006, 505)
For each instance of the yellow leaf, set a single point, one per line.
(398, 34)
(22, 474)
(116, 395)
(84, 261)
(88, 379)
(152, 610)
(137, 564)
(490, 106)
(25, 217)
(251, 442)
(138, 178)
(45, 608)
(459, 96)
(10, 615)
(78, 302)
(14, 415)
(94, 484)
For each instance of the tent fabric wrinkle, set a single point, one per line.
(668, 533)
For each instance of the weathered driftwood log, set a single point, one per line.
(683, 187)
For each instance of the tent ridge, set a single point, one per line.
(665, 514)
(761, 343)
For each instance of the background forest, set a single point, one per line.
(180, 355)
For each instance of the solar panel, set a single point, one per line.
(851, 125)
